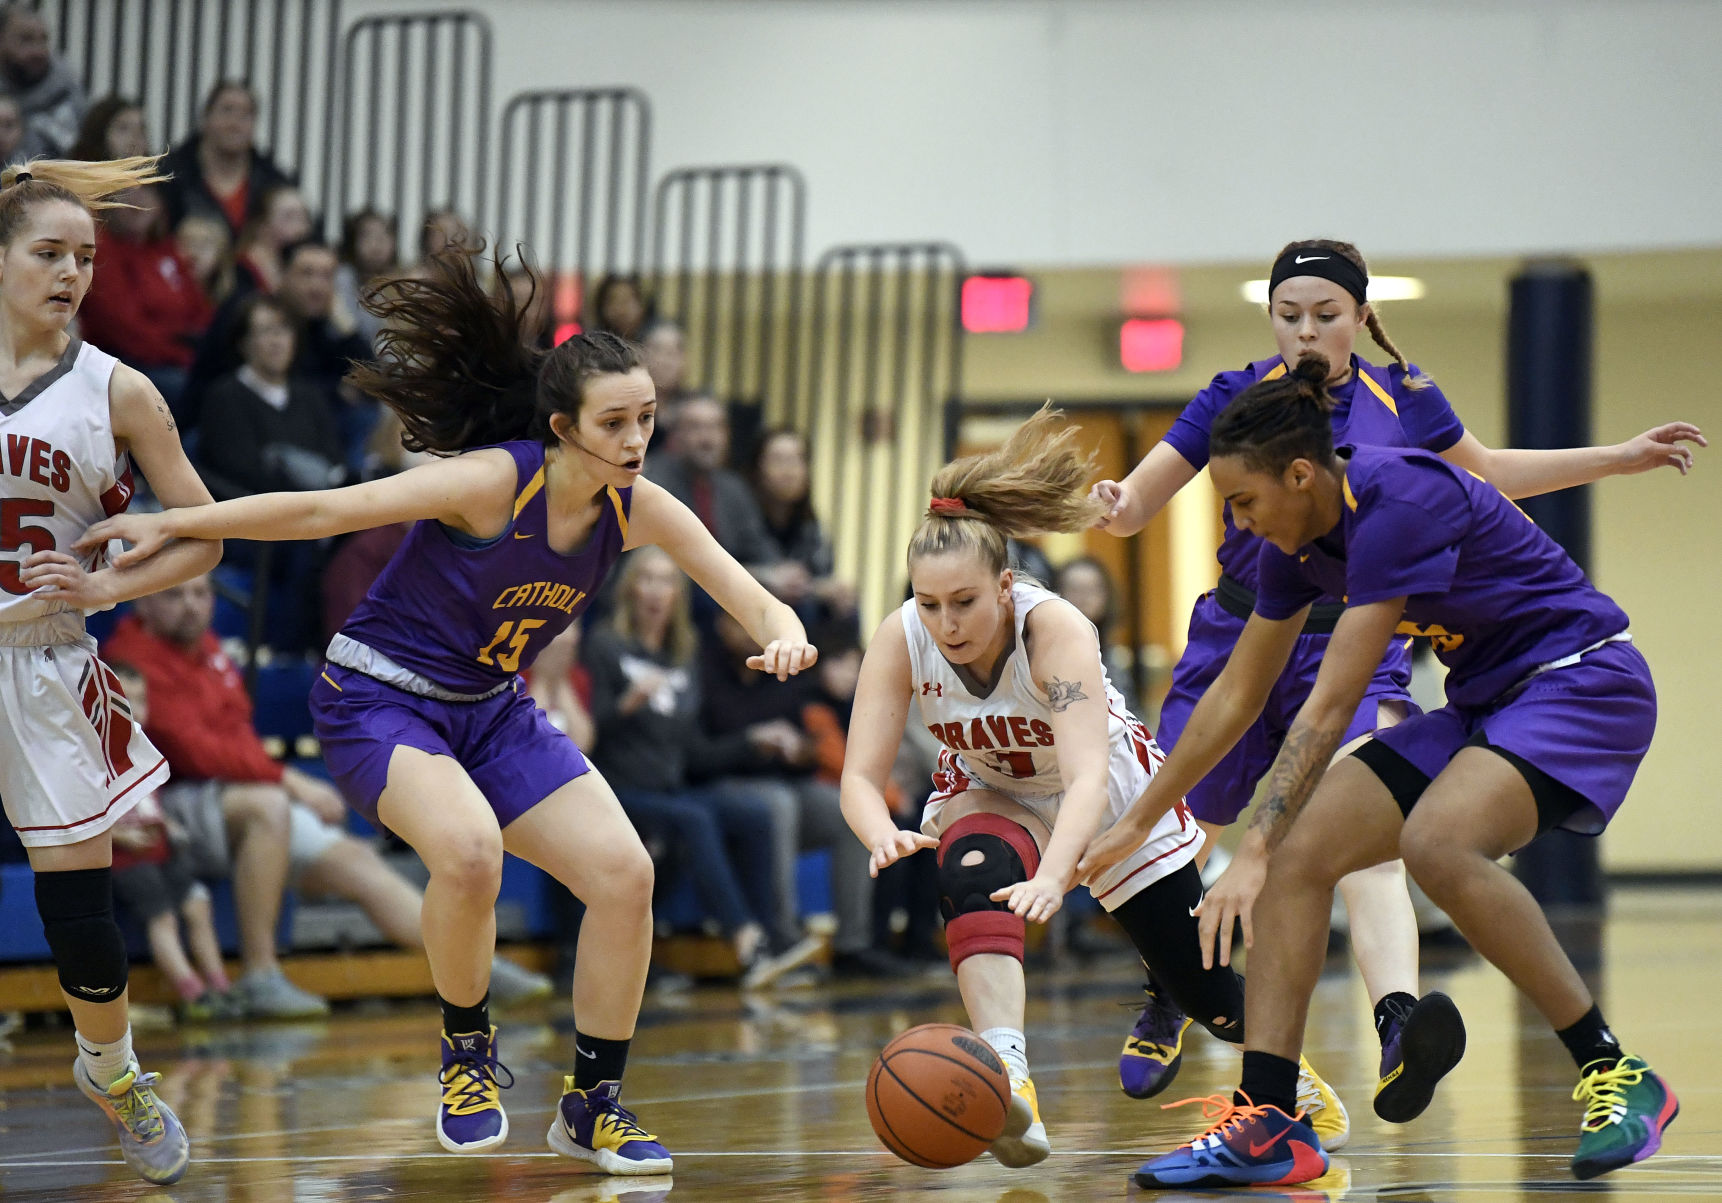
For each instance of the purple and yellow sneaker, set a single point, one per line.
(470, 1118)
(594, 1126)
(1423, 1044)
(1155, 1047)
(1245, 1145)
(1627, 1108)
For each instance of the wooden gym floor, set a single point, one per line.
(762, 1098)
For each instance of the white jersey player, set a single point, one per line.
(1039, 756)
(71, 760)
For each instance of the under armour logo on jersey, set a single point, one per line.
(936, 688)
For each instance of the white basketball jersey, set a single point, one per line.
(59, 472)
(1004, 739)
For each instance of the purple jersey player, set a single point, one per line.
(1318, 303)
(419, 709)
(1549, 710)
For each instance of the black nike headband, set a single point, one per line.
(1318, 261)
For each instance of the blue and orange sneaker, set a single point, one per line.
(470, 1118)
(1627, 1108)
(1423, 1045)
(594, 1126)
(1245, 1145)
(1155, 1047)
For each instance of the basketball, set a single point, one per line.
(938, 1096)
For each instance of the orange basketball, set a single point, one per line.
(938, 1096)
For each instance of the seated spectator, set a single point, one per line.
(219, 170)
(562, 688)
(11, 132)
(154, 882)
(1086, 584)
(362, 555)
(645, 704)
(664, 348)
(782, 488)
(442, 228)
(114, 128)
(49, 96)
(148, 308)
(208, 248)
(283, 219)
(693, 471)
(265, 429)
(620, 306)
(369, 250)
(780, 766)
(202, 722)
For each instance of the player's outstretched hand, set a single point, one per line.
(1036, 899)
(895, 847)
(1232, 897)
(783, 658)
(1110, 494)
(58, 576)
(1661, 448)
(145, 532)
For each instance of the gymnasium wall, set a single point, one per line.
(1107, 131)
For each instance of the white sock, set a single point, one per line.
(1012, 1047)
(105, 1062)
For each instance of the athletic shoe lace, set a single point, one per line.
(136, 1106)
(1309, 1098)
(1159, 1024)
(1224, 1114)
(618, 1122)
(470, 1082)
(1603, 1092)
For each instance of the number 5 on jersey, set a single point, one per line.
(508, 660)
(15, 535)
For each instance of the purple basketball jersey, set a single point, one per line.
(1375, 408)
(1497, 597)
(469, 614)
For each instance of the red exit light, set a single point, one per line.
(1151, 344)
(996, 304)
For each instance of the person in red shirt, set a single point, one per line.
(201, 719)
(149, 308)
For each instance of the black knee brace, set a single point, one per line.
(77, 910)
(974, 923)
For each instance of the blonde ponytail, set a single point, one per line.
(90, 185)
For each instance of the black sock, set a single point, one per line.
(1270, 1081)
(597, 1060)
(1392, 1006)
(1159, 924)
(460, 1020)
(1590, 1040)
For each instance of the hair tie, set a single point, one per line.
(21, 177)
(948, 506)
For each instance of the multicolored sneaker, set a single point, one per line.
(470, 1117)
(1321, 1108)
(1245, 1145)
(151, 1139)
(1155, 1047)
(1024, 1141)
(1627, 1107)
(1423, 1044)
(594, 1126)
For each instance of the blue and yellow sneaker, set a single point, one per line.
(1423, 1045)
(594, 1126)
(1627, 1108)
(152, 1141)
(1155, 1047)
(1245, 1145)
(470, 1118)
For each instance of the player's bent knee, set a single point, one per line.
(474, 868)
(979, 855)
(77, 910)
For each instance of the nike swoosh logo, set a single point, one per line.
(1309, 258)
(1193, 911)
(594, 1057)
(518, 535)
(1256, 1150)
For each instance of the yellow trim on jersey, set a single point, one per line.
(1386, 397)
(1277, 371)
(1350, 497)
(331, 680)
(621, 514)
(530, 491)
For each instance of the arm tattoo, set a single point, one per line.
(1303, 758)
(1060, 694)
(167, 416)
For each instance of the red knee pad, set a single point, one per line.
(973, 922)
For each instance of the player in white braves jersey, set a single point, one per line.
(72, 419)
(1039, 756)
